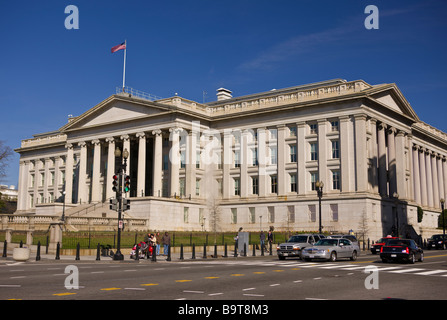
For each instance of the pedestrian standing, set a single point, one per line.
(262, 239)
(158, 242)
(166, 243)
(270, 238)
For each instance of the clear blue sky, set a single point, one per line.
(48, 72)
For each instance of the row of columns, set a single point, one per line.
(96, 196)
(430, 176)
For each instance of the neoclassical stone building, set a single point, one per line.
(251, 161)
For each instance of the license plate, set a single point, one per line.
(433, 245)
(311, 256)
(285, 254)
(393, 256)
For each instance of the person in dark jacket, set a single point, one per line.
(166, 243)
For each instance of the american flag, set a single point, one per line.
(119, 47)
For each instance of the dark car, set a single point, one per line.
(401, 250)
(375, 248)
(437, 241)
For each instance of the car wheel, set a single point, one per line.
(307, 259)
(333, 256)
(412, 259)
(354, 255)
(421, 258)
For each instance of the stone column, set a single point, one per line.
(22, 203)
(360, 153)
(391, 161)
(126, 145)
(401, 184)
(69, 162)
(440, 177)
(346, 156)
(262, 160)
(244, 163)
(158, 164)
(141, 179)
(422, 170)
(190, 165)
(301, 157)
(281, 160)
(96, 187)
(416, 176)
(444, 172)
(110, 167)
(374, 155)
(382, 160)
(174, 157)
(428, 174)
(82, 188)
(434, 170)
(227, 161)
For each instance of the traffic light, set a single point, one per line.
(113, 203)
(126, 204)
(127, 184)
(115, 183)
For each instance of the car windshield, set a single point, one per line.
(436, 237)
(398, 242)
(382, 240)
(327, 242)
(297, 239)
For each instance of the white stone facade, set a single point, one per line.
(250, 161)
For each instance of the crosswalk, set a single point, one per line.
(404, 269)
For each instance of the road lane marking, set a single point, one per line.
(141, 289)
(237, 275)
(110, 289)
(211, 277)
(297, 281)
(406, 270)
(10, 285)
(275, 285)
(258, 272)
(64, 294)
(192, 291)
(248, 289)
(253, 295)
(183, 280)
(427, 273)
(149, 284)
(216, 294)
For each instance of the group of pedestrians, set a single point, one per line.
(269, 239)
(155, 240)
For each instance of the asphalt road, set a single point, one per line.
(253, 279)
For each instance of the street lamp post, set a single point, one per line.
(119, 197)
(319, 185)
(443, 223)
(396, 201)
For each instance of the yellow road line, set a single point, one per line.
(183, 280)
(64, 294)
(211, 277)
(149, 284)
(110, 289)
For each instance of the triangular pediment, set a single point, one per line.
(115, 109)
(391, 97)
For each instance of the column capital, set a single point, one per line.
(96, 142)
(156, 132)
(82, 144)
(69, 146)
(401, 133)
(125, 137)
(391, 130)
(141, 135)
(110, 139)
(382, 126)
(175, 130)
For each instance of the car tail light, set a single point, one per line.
(407, 250)
(381, 249)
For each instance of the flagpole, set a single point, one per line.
(124, 68)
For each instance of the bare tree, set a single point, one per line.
(5, 155)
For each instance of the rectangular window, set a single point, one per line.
(334, 126)
(233, 215)
(314, 151)
(252, 217)
(292, 153)
(165, 162)
(255, 185)
(334, 212)
(182, 159)
(271, 214)
(255, 156)
(237, 187)
(312, 213)
(274, 181)
(198, 159)
(291, 214)
(237, 159)
(273, 155)
(313, 128)
(292, 131)
(313, 180)
(197, 187)
(293, 182)
(182, 187)
(273, 134)
(335, 150)
(186, 215)
(336, 180)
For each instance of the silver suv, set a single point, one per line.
(296, 243)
